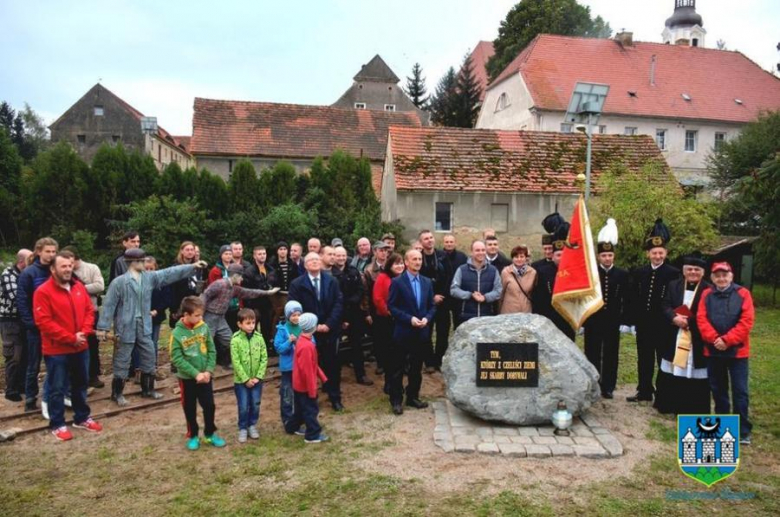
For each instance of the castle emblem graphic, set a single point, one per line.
(708, 446)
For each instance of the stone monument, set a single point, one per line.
(515, 368)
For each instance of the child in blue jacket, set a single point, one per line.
(286, 333)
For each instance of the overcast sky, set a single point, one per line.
(158, 55)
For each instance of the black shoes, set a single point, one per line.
(416, 403)
(97, 383)
(147, 387)
(365, 381)
(13, 397)
(639, 398)
(29, 406)
(338, 407)
(607, 395)
(398, 409)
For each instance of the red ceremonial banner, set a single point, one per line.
(577, 291)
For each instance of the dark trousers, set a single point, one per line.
(94, 353)
(328, 351)
(64, 371)
(719, 370)
(305, 413)
(602, 344)
(446, 315)
(34, 358)
(649, 344)
(193, 394)
(264, 314)
(231, 316)
(15, 353)
(413, 352)
(286, 397)
(382, 336)
(355, 333)
(248, 402)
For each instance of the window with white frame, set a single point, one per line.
(443, 217)
(389, 107)
(691, 136)
(660, 139)
(566, 128)
(630, 131)
(360, 105)
(720, 139)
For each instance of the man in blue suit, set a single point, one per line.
(411, 304)
(320, 294)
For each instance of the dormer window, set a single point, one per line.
(389, 107)
(360, 105)
(502, 102)
(98, 111)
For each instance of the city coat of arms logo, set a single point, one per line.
(708, 446)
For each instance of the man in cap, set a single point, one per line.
(217, 298)
(602, 329)
(545, 284)
(649, 284)
(550, 224)
(389, 239)
(725, 319)
(128, 304)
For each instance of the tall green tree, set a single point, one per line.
(529, 18)
(415, 87)
(636, 199)
(278, 185)
(212, 194)
(10, 181)
(170, 181)
(55, 193)
(443, 102)
(467, 95)
(243, 186)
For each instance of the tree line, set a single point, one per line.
(57, 193)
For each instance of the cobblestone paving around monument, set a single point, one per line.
(457, 431)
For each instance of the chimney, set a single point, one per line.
(625, 38)
(652, 70)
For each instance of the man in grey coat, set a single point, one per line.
(129, 304)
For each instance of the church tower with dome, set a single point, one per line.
(685, 26)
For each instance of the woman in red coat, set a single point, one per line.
(383, 323)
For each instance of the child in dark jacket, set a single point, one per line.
(250, 358)
(287, 333)
(305, 375)
(194, 355)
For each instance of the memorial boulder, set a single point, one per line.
(515, 368)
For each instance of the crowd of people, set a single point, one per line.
(693, 332)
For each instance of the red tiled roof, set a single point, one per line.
(438, 158)
(479, 57)
(184, 141)
(240, 128)
(551, 65)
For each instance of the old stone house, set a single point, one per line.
(375, 87)
(461, 181)
(101, 117)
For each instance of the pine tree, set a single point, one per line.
(415, 87)
(467, 97)
(442, 104)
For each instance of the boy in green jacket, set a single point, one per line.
(250, 358)
(194, 356)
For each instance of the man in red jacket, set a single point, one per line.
(725, 318)
(64, 315)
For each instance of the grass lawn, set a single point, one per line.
(140, 467)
